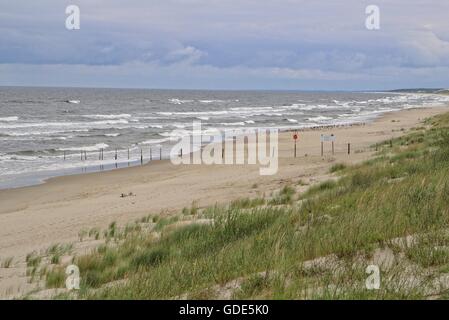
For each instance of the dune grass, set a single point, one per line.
(6, 263)
(265, 245)
(337, 167)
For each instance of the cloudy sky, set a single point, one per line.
(226, 44)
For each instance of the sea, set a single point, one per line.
(48, 132)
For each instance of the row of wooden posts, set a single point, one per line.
(83, 154)
(322, 148)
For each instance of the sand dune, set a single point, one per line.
(36, 217)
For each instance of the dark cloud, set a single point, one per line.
(272, 43)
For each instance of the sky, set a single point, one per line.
(225, 44)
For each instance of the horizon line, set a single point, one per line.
(221, 89)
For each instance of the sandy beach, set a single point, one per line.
(33, 218)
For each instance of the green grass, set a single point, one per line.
(33, 259)
(247, 203)
(403, 191)
(56, 278)
(6, 263)
(285, 196)
(337, 167)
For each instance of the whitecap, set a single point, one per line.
(108, 116)
(9, 119)
(96, 147)
(211, 101)
(178, 101)
(121, 121)
(319, 118)
(155, 141)
(233, 123)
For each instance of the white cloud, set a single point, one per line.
(425, 48)
(185, 55)
(234, 43)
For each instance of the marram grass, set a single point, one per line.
(264, 246)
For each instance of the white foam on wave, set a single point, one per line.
(96, 147)
(108, 116)
(233, 123)
(175, 134)
(15, 157)
(121, 121)
(179, 101)
(155, 141)
(40, 133)
(9, 119)
(319, 118)
(211, 101)
(194, 113)
(61, 124)
(308, 107)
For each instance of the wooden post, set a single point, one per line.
(141, 156)
(181, 153)
(151, 155)
(322, 148)
(115, 154)
(332, 147)
(349, 148)
(295, 148)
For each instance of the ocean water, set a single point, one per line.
(39, 125)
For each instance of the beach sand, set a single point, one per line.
(33, 218)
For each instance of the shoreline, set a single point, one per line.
(35, 217)
(30, 174)
(42, 177)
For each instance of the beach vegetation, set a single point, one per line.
(7, 262)
(315, 244)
